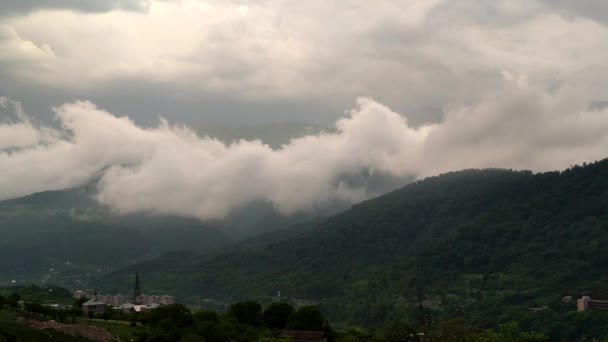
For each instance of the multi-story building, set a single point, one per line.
(166, 300)
(119, 300)
(586, 303)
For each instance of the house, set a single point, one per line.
(93, 306)
(304, 335)
(126, 308)
(131, 308)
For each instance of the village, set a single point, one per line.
(98, 304)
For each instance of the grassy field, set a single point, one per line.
(11, 330)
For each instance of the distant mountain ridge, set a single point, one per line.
(63, 237)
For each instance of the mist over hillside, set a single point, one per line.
(65, 237)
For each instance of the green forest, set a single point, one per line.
(30, 318)
(485, 247)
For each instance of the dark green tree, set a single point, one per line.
(78, 302)
(107, 313)
(306, 318)
(13, 300)
(399, 332)
(170, 318)
(33, 307)
(510, 332)
(248, 312)
(201, 316)
(276, 314)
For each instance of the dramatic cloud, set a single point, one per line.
(19, 132)
(14, 7)
(169, 169)
(414, 56)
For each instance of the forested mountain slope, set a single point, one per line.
(481, 245)
(63, 237)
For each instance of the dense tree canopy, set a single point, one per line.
(276, 315)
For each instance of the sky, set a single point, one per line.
(108, 90)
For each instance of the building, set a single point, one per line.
(126, 308)
(304, 335)
(119, 300)
(166, 300)
(132, 308)
(152, 299)
(93, 307)
(80, 294)
(139, 301)
(586, 303)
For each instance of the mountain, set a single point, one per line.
(483, 246)
(64, 237)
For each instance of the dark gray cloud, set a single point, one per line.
(593, 9)
(234, 61)
(19, 7)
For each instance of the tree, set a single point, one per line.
(399, 332)
(170, 317)
(78, 302)
(107, 313)
(276, 314)
(201, 316)
(306, 318)
(13, 300)
(33, 307)
(248, 312)
(2, 301)
(510, 332)
(451, 331)
(355, 335)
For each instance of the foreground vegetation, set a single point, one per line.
(243, 321)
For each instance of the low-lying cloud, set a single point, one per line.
(169, 169)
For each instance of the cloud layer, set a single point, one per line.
(511, 84)
(170, 169)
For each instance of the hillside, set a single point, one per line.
(63, 237)
(479, 245)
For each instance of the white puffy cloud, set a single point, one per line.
(20, 132)
(169, 169)
(511, 82)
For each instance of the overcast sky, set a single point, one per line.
(231, 60)
(421, 87)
